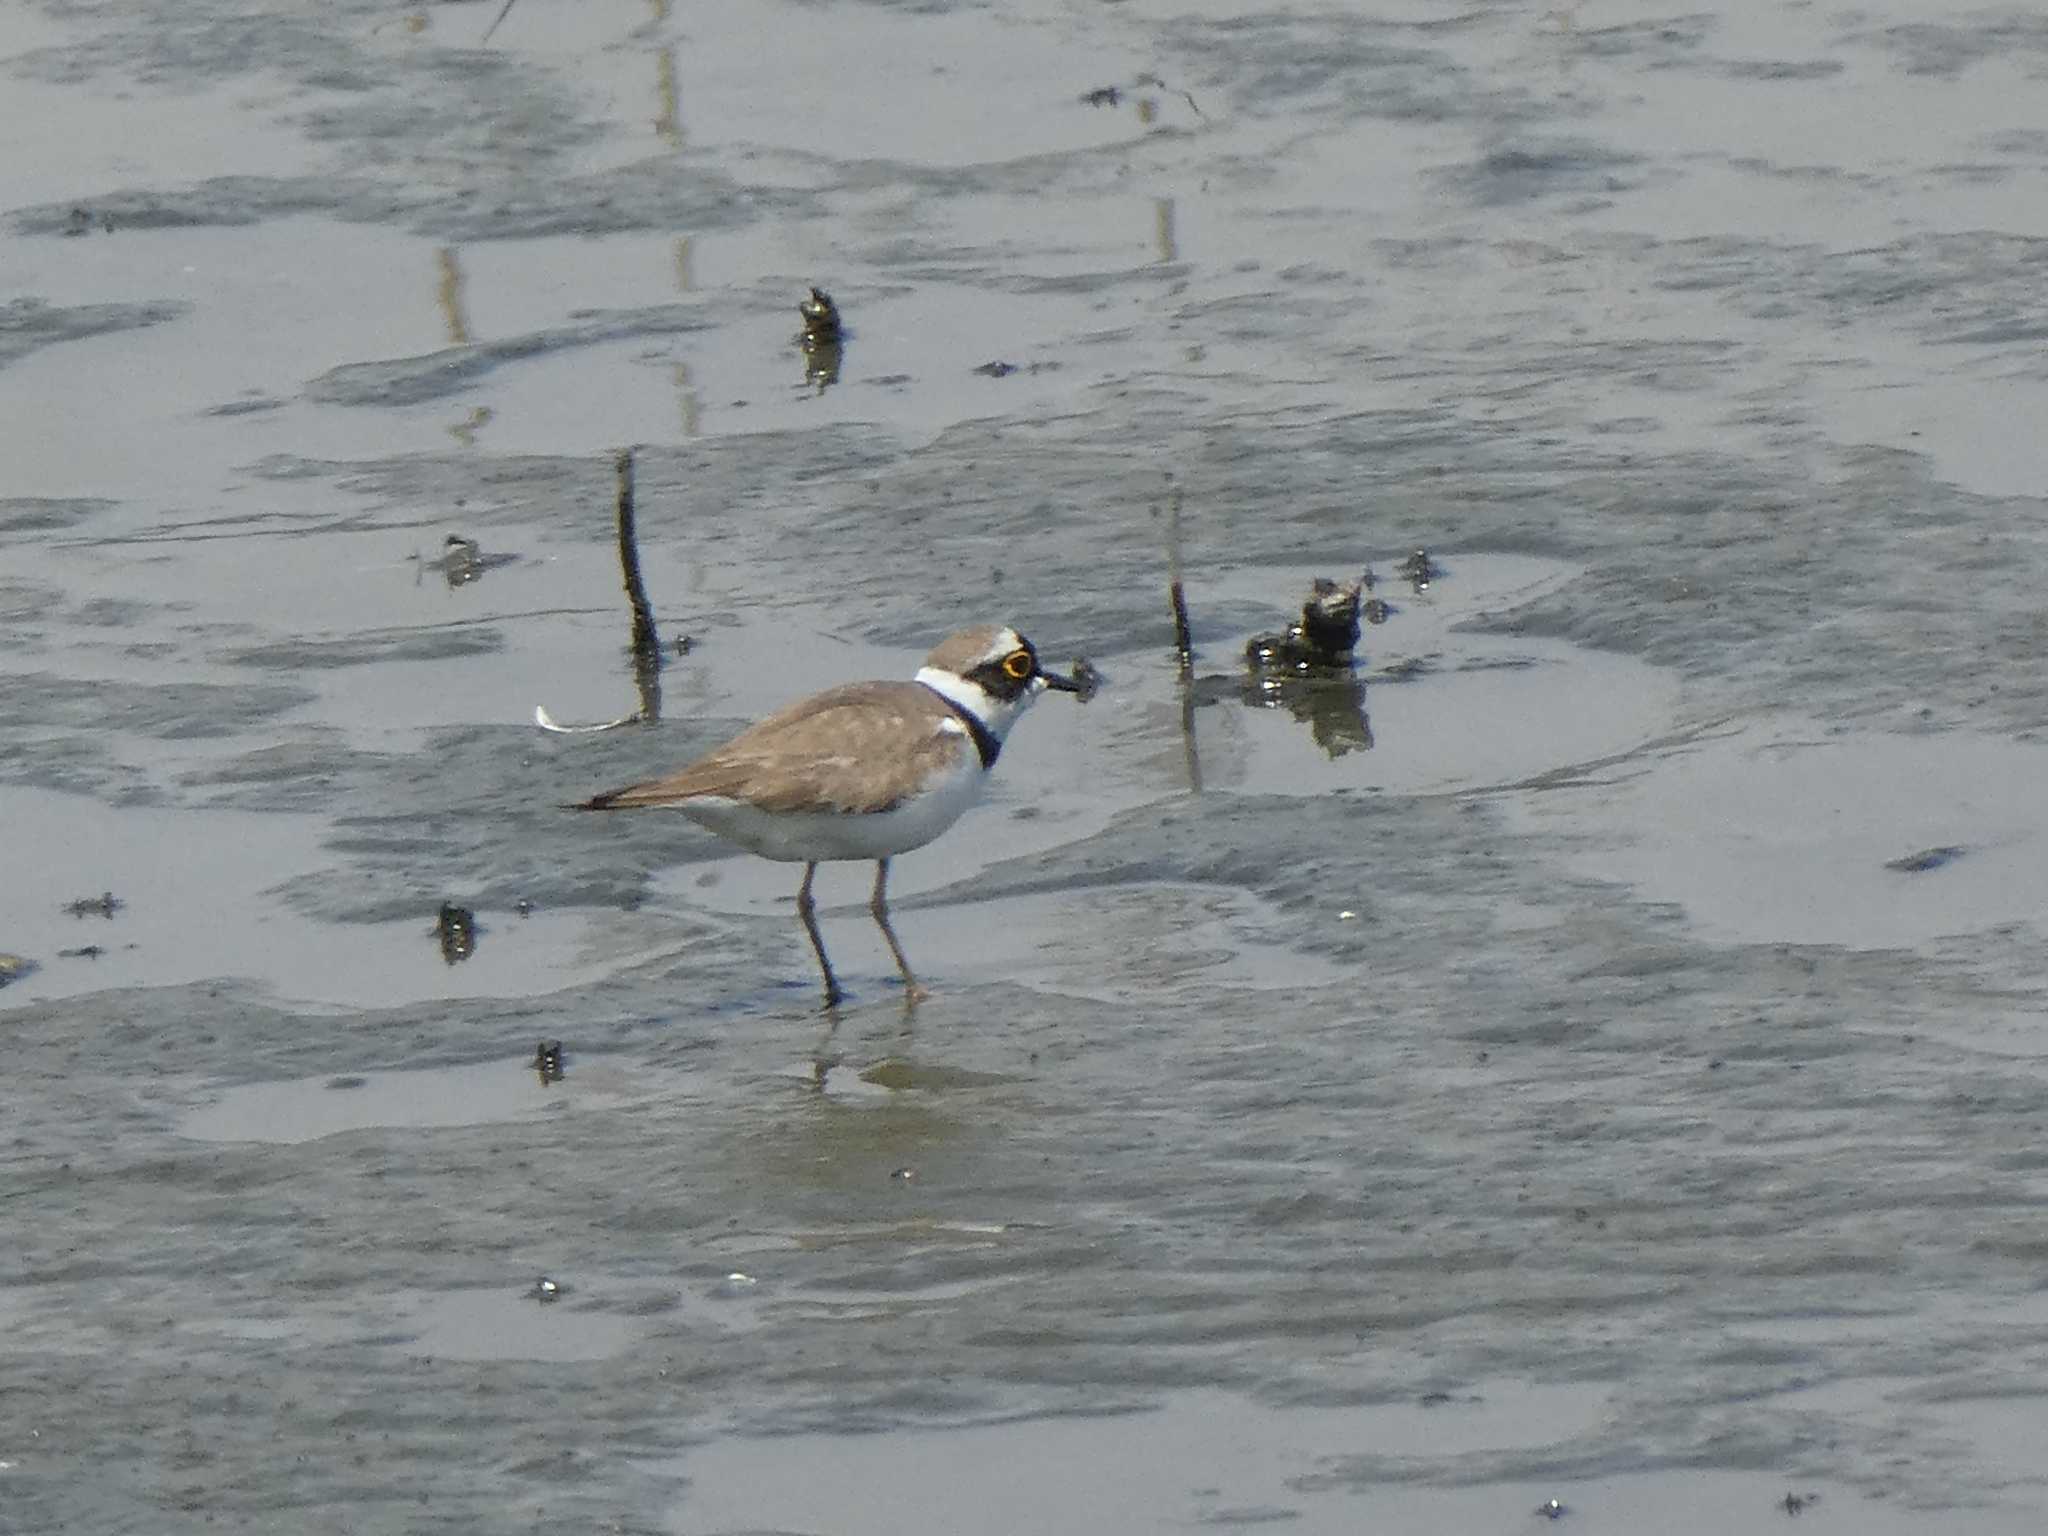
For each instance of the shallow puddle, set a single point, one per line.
(1207, 1459)
(1118, 942)
(1864, 839)
(307, 1109)
(1441, 708)
(151, 858)
(490, 1323)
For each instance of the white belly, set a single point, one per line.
(799, 837)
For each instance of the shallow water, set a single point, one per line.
(1304, 1469)
(1598, 1059)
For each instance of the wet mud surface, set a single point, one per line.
(1588, 1049)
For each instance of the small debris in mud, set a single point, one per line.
(548, 722)
(1113, 95)
(822, 340)
(251, 404)
(547, 1062)
(1795, 1503)
(1309, 670)
(14, 967)
(545, 1290)
(1089, 676)
(463, 561)
(1324, 636)
(821, 318)
(523, 906)
(83, 952)
(1418, 570)
(904, 1175)
(998, 369)
(1926, 859)
(1552, 1509)
(1374, 610)
(106, 904)
(456, 930)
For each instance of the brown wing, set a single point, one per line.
(863, 747)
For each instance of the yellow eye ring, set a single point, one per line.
(1018, 665)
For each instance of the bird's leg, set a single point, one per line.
(806, 910)
(912, 992)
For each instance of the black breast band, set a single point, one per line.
(984, 739)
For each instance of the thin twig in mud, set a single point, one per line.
(646, 643)
(1183, 640)
(502, 14)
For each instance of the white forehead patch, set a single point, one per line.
(1006, 640)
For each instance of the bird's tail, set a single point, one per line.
(624, 799)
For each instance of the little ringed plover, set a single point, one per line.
(862, 771)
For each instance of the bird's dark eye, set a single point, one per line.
(1018, 665)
